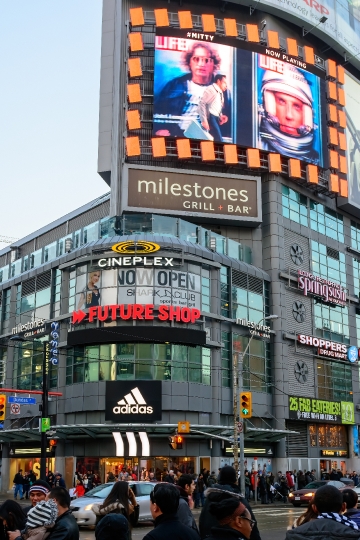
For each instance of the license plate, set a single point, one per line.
(297, 498)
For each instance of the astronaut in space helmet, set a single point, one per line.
(286, 114)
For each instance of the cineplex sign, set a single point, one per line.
(318, 410)
(328, 291)
(328, 348)
(181, 193)
(136, 312)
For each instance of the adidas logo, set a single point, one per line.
(133, 403)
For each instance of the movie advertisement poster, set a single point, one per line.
(224, 90)
(352, 100)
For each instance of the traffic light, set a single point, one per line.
(245, 404)
(179, 442)
(2, 408)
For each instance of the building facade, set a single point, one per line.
(160, 284)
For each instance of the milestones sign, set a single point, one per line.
(179, 193)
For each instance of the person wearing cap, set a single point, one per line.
(59, 481)
(37, 493)
(227, 483)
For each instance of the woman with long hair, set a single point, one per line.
(12, 518)
(307, 516)
(121, 500)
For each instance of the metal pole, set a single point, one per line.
(45, 407)
(235, 411)
(241, 434)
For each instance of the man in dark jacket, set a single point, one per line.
(330, 524)
(19, 482)
(186, 487)
(59, 481)
(227, 482)
(301, 480)
(164, 502)
(350, 498)
(65, 527)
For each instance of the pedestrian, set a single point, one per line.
(333, 475)
(66, 527)
(308, 477)
(164, 503)
(350, 498)
(289, 481)
(212, 479)
(262, 489)
(307, 516)
(121, 500)
(37, 492)
(313, 474)
(79, 490)
(227, 483)
(90, 480)
(196, 495)
(152, 477)
(284, 488)
(40, 520)
(329, 523)
(186, 487)
(13, 519)
(201, 488)
(301, 480)
(19, 482)
(270, 486)
(247, 486)
(169, 478)
(113, 526)
(234, 519)
(50, 479)
(59, 481)
(26, 485)
(110, 477)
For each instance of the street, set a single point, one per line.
(273, 521)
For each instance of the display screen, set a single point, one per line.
(352, 99)
(225, 90)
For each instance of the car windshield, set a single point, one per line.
(315, 485)
(100, 492)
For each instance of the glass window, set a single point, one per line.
(27, 303)
(4, 273)
(332, 322)
(91, 232)
(256, 363)
(334, 381)
(164, 225)
(43, 297)
(36, 258)
(107, 227)
(355, 235)
(28, 361)
(145, 361)
(15, 268)
(326, 221)
(225, 291)
(50, 252)
(328, 267)
(294, 206)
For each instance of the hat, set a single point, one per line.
(227, 475)
(171, 472)
(40, 485)
(112, 525)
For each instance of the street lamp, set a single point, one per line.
(237, 389)
(45, 402)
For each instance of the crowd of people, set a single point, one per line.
(225, 514)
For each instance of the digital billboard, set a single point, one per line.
(220, 89)
(352, 93)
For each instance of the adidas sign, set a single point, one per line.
(133, 403)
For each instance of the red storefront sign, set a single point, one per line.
(137, 312)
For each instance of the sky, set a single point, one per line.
(49, 110)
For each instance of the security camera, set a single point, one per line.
(263, 24)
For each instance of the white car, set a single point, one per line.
(85, 517)
(357, 489)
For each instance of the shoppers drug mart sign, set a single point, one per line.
(328, 291)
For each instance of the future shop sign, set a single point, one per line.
(330, 349)
(137, 312)
(328, 291)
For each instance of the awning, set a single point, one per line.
(99, 431)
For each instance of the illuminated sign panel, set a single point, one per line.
(232, 91)
(319, 410)
(183, 193)
(328, 291)
(136, 312)
(325, 347)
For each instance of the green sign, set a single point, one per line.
(44, 425)
(319, 410)
(347, 412)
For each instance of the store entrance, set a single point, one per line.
(327, 465)
(29, 464)
(141, 467)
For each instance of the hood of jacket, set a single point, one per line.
(219, 488)
(323, 528)
(115, 507)
(183, 493)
